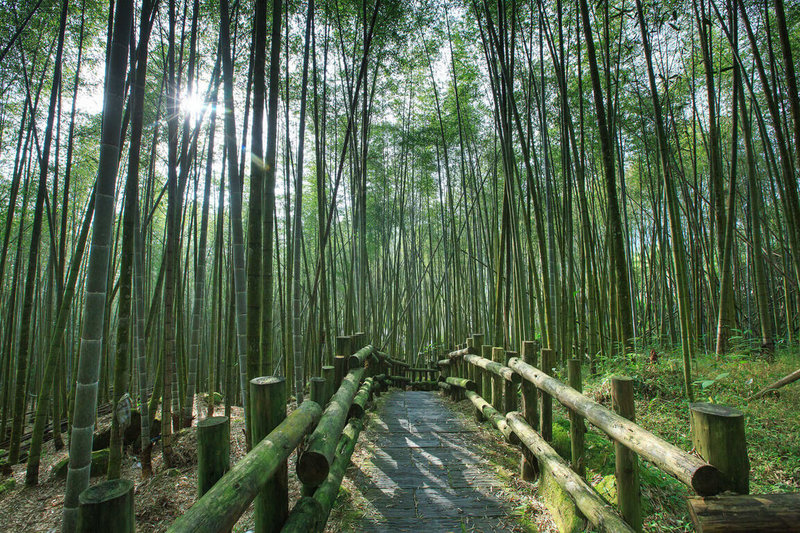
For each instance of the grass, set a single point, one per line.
(771, 424)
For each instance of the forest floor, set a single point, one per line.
(772, 424)
(158, 500)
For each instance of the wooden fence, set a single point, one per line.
(496, 381)
(327, 425)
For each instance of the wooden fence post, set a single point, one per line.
(546, 413)
(477, 343)
(107, 506)
(328, 374)
(319, 388)
(718, 436)
(468, 368)
(444, 372)
(497, 387)
(509, 388)
(528, 465)
(627, 462)
(486, 379)
(344, 350)
(268, 401)
(576, 427)
(213, 451)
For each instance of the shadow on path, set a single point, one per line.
(425, 471)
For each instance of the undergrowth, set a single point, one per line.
(771, 423)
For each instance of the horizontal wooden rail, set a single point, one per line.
(224, 503)
(314, 463)
(705, 479)
(463, 383)
(593, 507)
(357, 359)
(385, 357)
(310, 514)
(462, 352)
(493, 415)
(494, 367)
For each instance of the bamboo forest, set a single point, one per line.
(392, 265)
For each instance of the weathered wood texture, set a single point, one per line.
(340, 370)
(626, 462)
(758, 513)
(221, 507)
(268, 404)
(458, 354)
(718, 436)
(528, 466)
(546, 403)
(319, 389)
(107, 506)
(310, 514)
(576, 426)
(493, 415)
(357, 359)
(359, 404)
(704, 478)
(329, 375)
(510, 387)
(213, 451)
(463, 383)
(498, 369)
(593, 507)
(314, 463)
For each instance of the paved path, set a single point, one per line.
(424, 471)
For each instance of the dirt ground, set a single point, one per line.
(158, 500)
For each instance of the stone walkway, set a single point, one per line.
(425, 473)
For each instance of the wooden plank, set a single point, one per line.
(754, 513)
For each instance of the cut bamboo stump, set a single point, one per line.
(315, 462)
(593, 507)
(718, 436)
(340, 371)
(528, 466)
(319, 388)
(627, 463)
(329, 374)
(268, 402)
(107, 506)
(224, 503)
(213, 451)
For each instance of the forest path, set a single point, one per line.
(422, 469)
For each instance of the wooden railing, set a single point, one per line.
(329, 438)
(490, 378)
